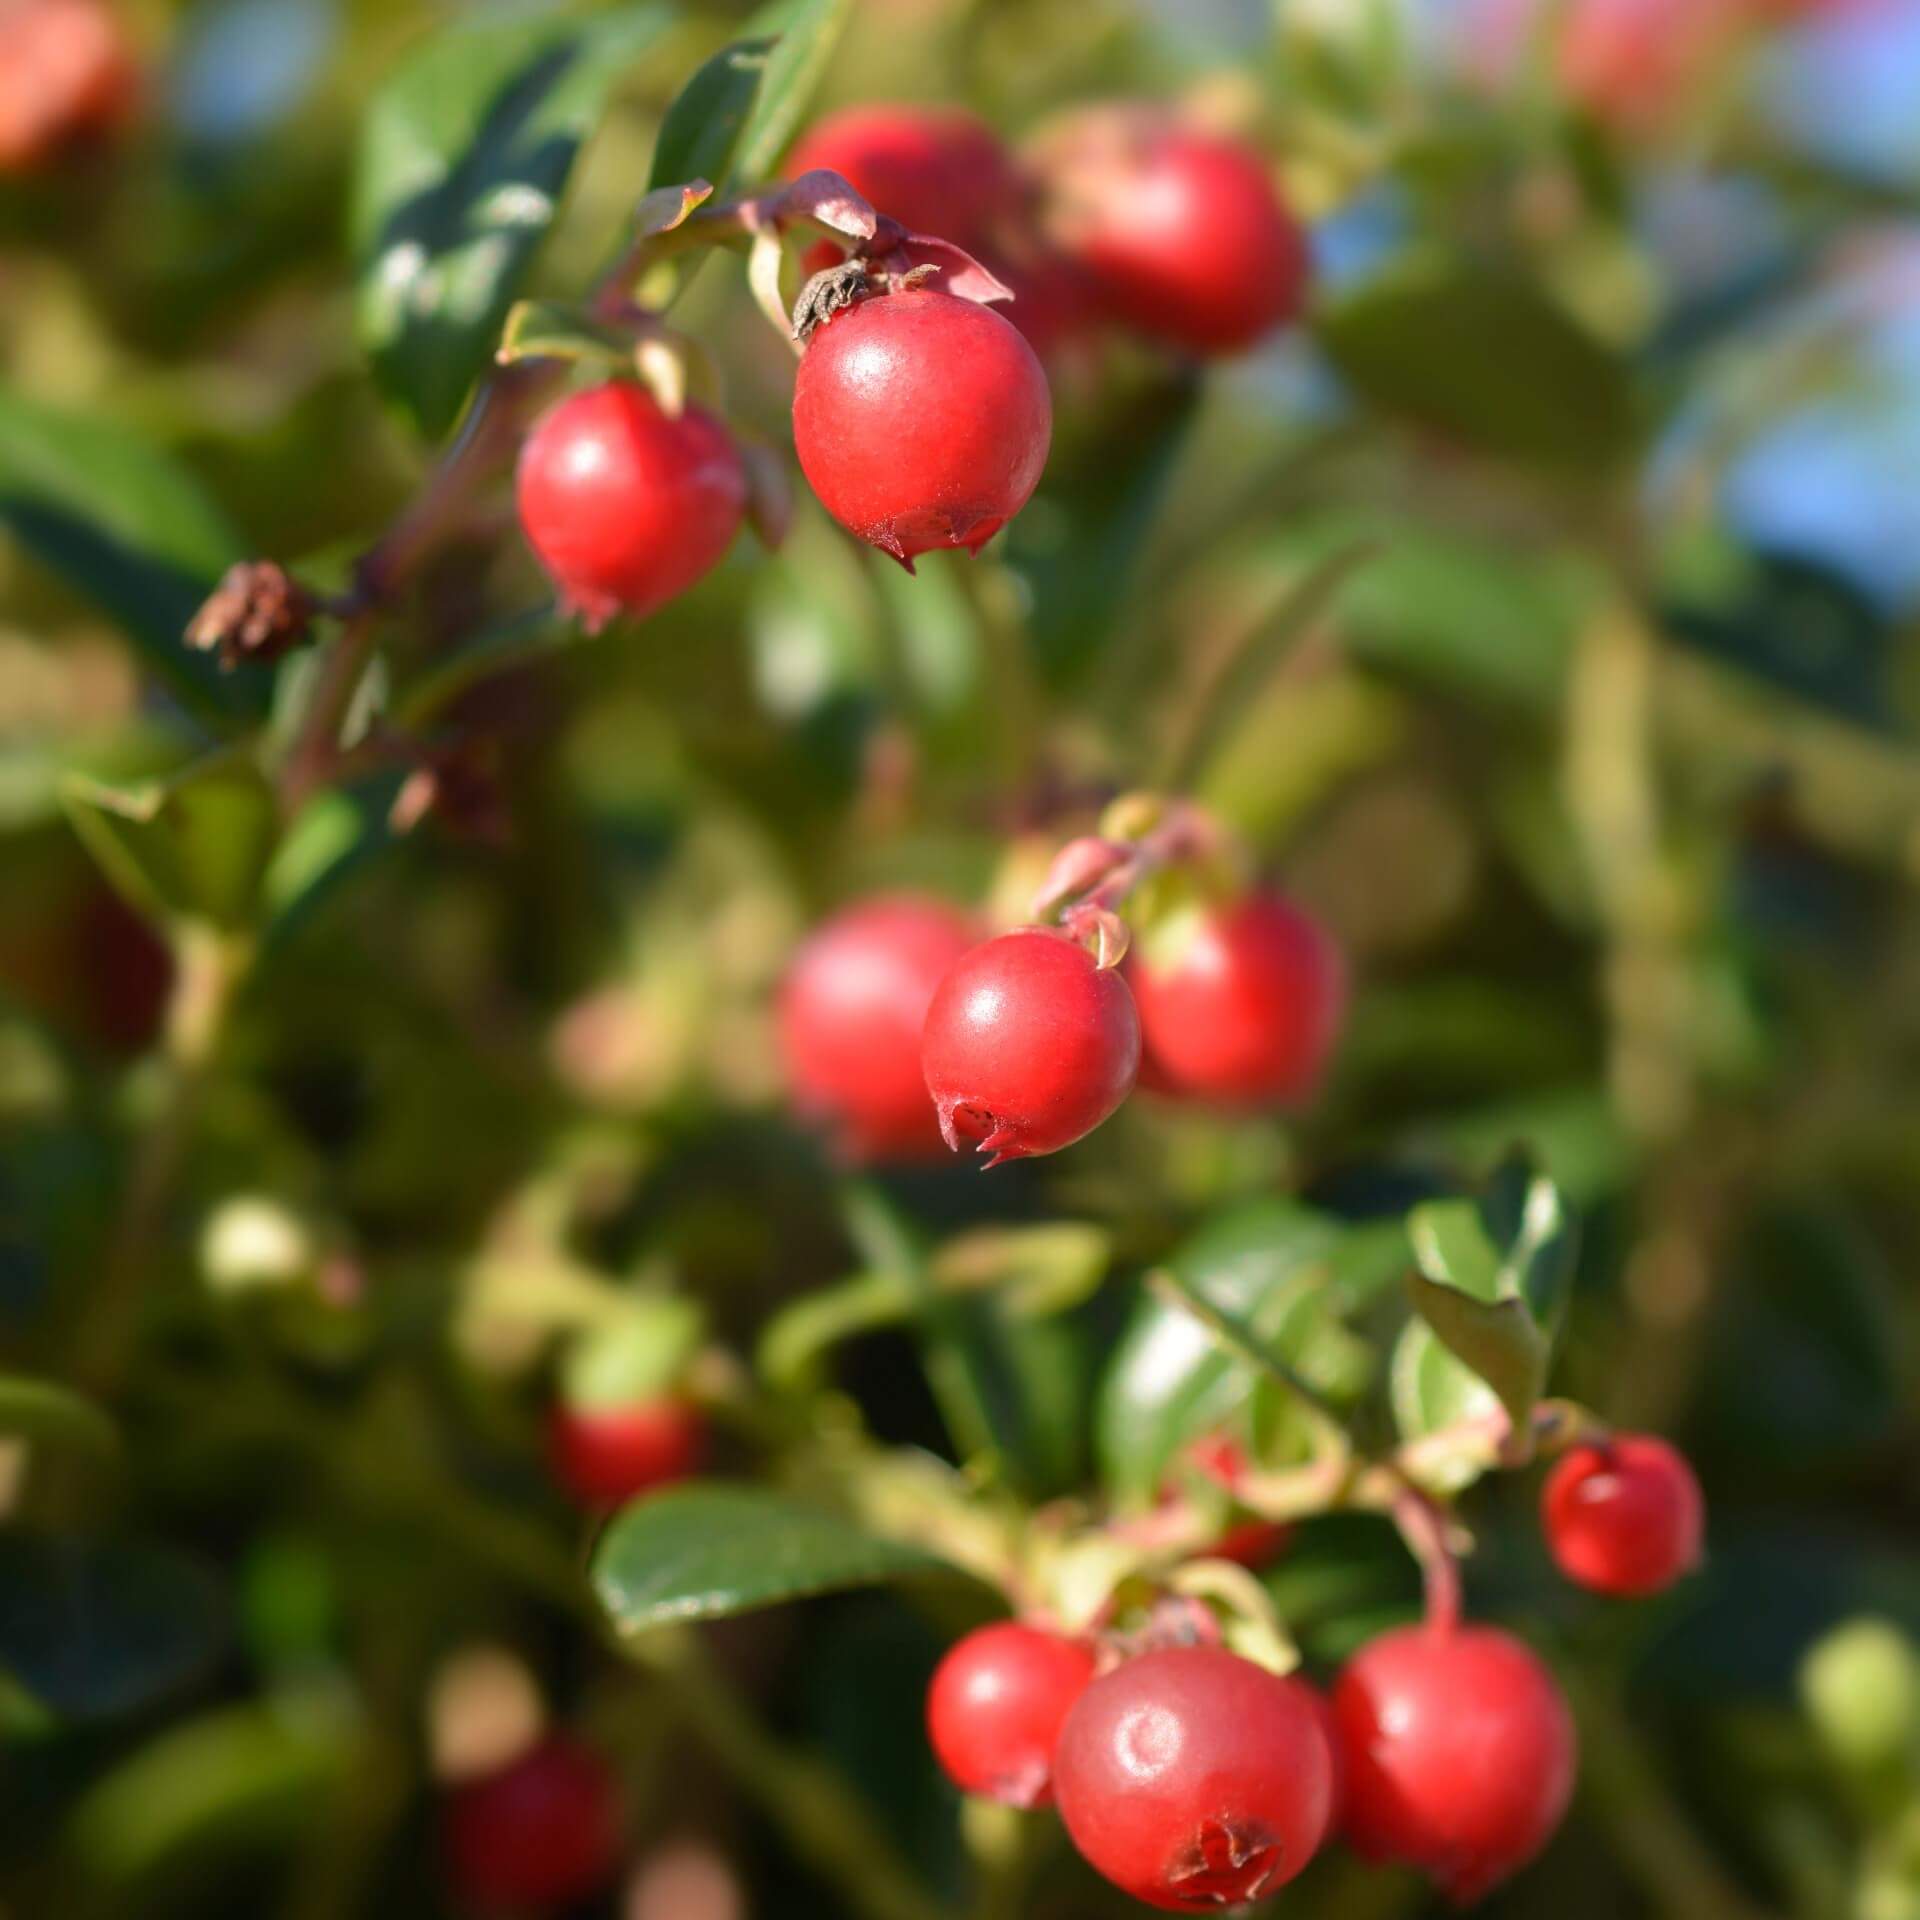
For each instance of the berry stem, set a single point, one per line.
(1423, 1526)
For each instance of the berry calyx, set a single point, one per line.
(603, 1456)
(851, 1011)
(542, 1832)
(921, 420)
(1193, 1779)
(1028, 1045)
(67, 76)
(995, 1709)
(1239, 1004)
(1459, 1754)
(1623, 1516)
(626, 505)
(1183, 234)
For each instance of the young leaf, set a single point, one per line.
(703, 1552)
(545, 330)
(129, 529)
(464, 158)
(809, 31)
(703, 126)
(1492, 1278)
(192, 847)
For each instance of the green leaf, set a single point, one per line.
(1036, 1271)
(703, 127)
(39, 1410)
(545, 330)
(1492, 1278)
(703, 1552)
(95, 1629)
(464, 156)
(127, 527)
(809, 32)
(1484, 357)
(193, 847)
(1429, 1391)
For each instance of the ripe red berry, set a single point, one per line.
(1240, 1004)
(1183, 233)
(921, 421)
(851, 1012)
(936, 170)
(67, 75)
(1029, 1045)
(1624, 1516)
(603, 1456)
(1194, 1779)
(1459, 1754)
(995, 1707)
(542, 1832)
(625, 505)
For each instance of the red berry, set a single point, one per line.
(67, 75)
(1193, 1779)
(921, 420)
(1183, 233)
(1459, 1754)
(626, 505)
(1029, 1044)
(1624, 1516)
(936, 170)
(851, 1012)
(541, 1832)
(603, 1456)
(1239, 1004)
(995, 1707)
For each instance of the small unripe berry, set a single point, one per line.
(1459, 1754)
(921, 420)
(1028, 1045)
(995, 1707)
(67, 76)
(542, 1832)
(625, 505)
(1182, 233)
(604, 1455)
(1194, 1779)
(1623, 1516)
(1239, 1005)
(852, 1008)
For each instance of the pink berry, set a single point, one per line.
(1459, 1754)
(1624, 1516)
(1183, 234)
(852, 1009)
(625, 505)
(995, 1707)
(542, 1832)
(1239, 1005)
(1028, 1045)
(921, 420)
(603, 1456)
(1193, 1779)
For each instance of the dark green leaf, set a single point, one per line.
(464, 157)
(703, 126)
(193, 847)
(702, 1552)
(1485, 357)
(127, 527)
(95, 1629)
(809, 31)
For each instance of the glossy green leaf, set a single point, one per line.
(128, 528)
(1430, 1390)
(53, 1415)
(464, 156)
(192, 847)
(703, 1552)
(1492, 1276)
(808, 34)
(703, 127)
(1484, 357)
(92, 1629)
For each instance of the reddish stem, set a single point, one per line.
(1423, 1526)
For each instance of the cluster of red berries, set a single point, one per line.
(921, 419)
(67, 78)
(1193, 1778)
(899, 1027)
